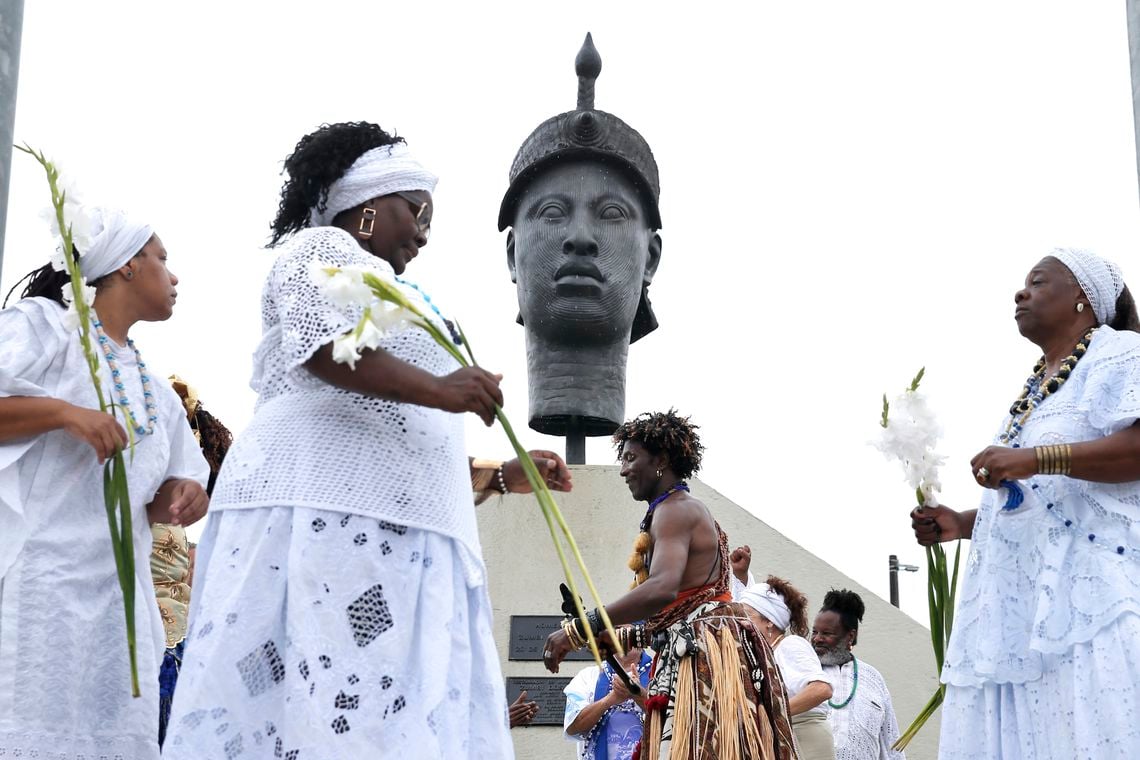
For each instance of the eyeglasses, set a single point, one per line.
(419, 206)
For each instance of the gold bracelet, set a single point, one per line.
(571, 631)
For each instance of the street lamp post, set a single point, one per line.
(895, 567)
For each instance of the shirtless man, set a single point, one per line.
(715, 680)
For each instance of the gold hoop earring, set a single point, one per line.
(367, 215)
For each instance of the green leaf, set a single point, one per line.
(886, 409)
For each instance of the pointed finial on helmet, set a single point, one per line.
(587, 65)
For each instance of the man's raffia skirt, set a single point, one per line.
(716, 692)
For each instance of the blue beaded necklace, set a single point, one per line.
(124, 402)
(455, 337)
(680, 485)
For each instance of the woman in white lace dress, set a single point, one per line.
(340, 607)
(65, 687)
(1044, 661)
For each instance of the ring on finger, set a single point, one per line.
(982, 474)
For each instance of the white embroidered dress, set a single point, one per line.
(1045, 656)
(64, 673)
(340, 607)
(866, 727)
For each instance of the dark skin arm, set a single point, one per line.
(27, 416)
(379, 374)
(178, 502)
(1112, 459)
(683, 545)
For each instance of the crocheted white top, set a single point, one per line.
(311, 444)
(1053, 572)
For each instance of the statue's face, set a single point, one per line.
(580, 251)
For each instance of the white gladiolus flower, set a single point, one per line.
(388, 318)
(347, 288)
(370, 334)
(910, 436)
(345, 349)
(70, 317)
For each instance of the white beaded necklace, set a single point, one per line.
(124, 402)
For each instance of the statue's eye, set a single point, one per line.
(552, 211)
(612, 211)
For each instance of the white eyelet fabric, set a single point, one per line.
(311, 444)
(1051, 591)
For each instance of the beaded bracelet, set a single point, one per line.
(502, 480)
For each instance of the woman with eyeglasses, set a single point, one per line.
(340, 607)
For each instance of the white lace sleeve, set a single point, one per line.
(889, 733)
(292, 301)
(1111, 393)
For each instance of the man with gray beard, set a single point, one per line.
(862, 718)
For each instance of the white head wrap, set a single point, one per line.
(768, 603)
(115, 240)
(380, 171)
(1100, 279)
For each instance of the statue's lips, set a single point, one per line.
(578, 278)
(579, 271)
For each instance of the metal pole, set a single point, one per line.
(1132, 9)
(893, 563)
(11, 24)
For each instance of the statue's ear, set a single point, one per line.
(654, 258)
(511, 255)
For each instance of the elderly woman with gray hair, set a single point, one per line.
(1042, 661)
(779, 611)
(65, 688)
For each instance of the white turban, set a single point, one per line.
(1099, 278)
(768, 603)
(380, 171)
(114, 240)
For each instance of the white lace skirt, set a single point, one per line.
(322, 635)
(1085, 705)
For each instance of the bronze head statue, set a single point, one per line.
(582, 251)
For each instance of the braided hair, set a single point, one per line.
(847, 604)
(668, 433)
(1126, 317)
(320, 159)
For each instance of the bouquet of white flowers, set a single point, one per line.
(910, 433)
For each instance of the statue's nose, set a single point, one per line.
(580, 240)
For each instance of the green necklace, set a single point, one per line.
(854, 686)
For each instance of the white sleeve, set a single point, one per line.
(31, 339)
(186, 460)
(579, 694)
(308, 319)
(737, 588)
(799, 664)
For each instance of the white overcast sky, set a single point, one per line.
(849, 191)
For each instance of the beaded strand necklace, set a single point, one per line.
(455, 337)
(641, 544)
(854, 686)
(1037, 389)
(148, 394)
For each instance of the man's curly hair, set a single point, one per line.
(668, 433)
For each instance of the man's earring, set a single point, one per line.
(659, 473)
(367, 217)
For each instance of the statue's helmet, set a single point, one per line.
(593, 135)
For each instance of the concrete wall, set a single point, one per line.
(524, 576)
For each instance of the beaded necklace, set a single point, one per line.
(854, 686)
(455, 337)
(124, 402)
(1037, 389)
(641, 544)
